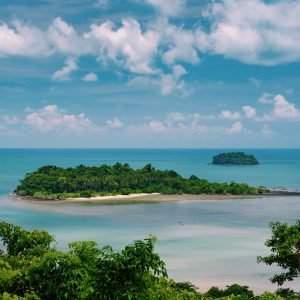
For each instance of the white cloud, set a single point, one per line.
(249, 111)
(230, 115)
(253, 31)
(64, 73)
(173, 82)
(265, 98)
(90, 77)
(51, 118)
(22, 40)
(156, 126)
(186, 120)
(179, 71)
(128, 45)
(236, 127)
(169, 84)
(115, 123)
(178, 44)
(168, 7)
(284, 109)
(64, 39)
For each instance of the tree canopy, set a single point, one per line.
(52, 182)
(285, 251)
(37, 270)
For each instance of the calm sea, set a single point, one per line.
(219, 241)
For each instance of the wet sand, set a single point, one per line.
(154, 197)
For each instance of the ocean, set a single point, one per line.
(219, 240)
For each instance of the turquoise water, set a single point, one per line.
(219, 240)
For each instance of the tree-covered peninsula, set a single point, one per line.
(52, 182)
(234, 158)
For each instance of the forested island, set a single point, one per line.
(52, 182)
(234, 158)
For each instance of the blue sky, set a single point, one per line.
(149, 73)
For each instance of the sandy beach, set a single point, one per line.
(154, 197)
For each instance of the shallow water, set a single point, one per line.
(218, 241)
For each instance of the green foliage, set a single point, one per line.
(35, 270)
(285, 248)
(234, 158)
(19, 241)
(288, 293)
(51, 182)
(38, 271)
(231, 290)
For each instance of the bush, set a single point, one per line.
(85, 194)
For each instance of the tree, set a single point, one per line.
(285, 248)
(19, 241)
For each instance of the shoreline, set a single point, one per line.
(154, 197)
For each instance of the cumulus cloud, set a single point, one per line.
(253, 31)
(265, 98)
(172, 82)
(22, 40)
(115, 123)
(169, 84)
(186, 120)
(64, 73)
(236, 127)
(178, 44)
(189, 123)
(249, 111)
(128, 45)
(230, 115)
(283, 109)
(156, 126)
(168, 7)
(90, 77)
(64, 39)
(51, 118)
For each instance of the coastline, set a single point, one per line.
(155, 197)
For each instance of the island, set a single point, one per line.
(234, 158)
(53, 183)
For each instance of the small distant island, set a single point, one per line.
(53, 183)
(234, 158)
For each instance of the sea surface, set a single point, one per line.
(205, 242)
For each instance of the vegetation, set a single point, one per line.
(32, 268)
(285, 248)
(51, 182)
(234, 158)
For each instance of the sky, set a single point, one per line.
(150, 73)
